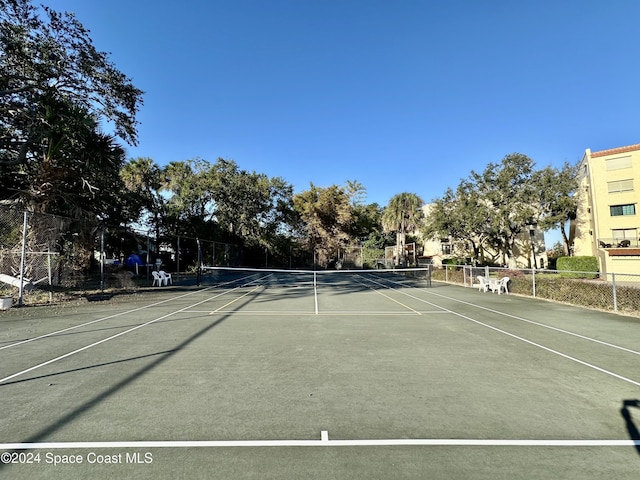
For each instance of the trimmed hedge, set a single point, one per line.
(578, 267)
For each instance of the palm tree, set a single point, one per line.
(403, 215)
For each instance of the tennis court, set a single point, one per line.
(279, 374)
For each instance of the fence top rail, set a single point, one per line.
(545, 271)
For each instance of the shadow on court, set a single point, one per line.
(101, 397)
(89, 367)
(632, 428)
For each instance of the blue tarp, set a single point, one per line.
(133, 259)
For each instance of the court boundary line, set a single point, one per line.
(387, 296)
(324, 441)
(112, 337)
(515, 317)
(533, 322)
(522, 339)
(155, 304)
(235, 299)
(58, 332)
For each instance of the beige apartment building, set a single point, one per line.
(529, 251)
(608, 221)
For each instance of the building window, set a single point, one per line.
(618, 163)
(620, 186)
(617, 210)
(447, 248)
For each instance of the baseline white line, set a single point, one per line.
(57, 332)
(556, 352)
(323, 442)
(48, 362)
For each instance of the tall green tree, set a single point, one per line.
(250, 205)
(461, 215)
(403, 215)
(558, 201)
(47, 55)
(326, 215)
(509, 191)
(142, 178)
(189, 207)
(77, 172)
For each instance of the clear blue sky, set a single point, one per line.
(399, 95)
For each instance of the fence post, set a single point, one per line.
(199, 269)
(533, 274)
(148, 256)
(49, 272)
(102, 260)
(178, 258)
(615, 293)
(23, 256)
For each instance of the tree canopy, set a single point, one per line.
(493, 207)
(403, 215)
(48, 57)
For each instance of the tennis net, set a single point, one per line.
(418, 277)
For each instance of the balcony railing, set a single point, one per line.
(618, 243)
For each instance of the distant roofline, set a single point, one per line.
(614, 151)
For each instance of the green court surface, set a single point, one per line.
(348, 376)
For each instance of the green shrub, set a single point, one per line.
(578, 267)
(370, 256)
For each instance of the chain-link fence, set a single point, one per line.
(33, 253)
(608, 292)
(48, 258)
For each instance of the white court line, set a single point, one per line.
(235, 300)
(618, 347)
(388, 297)
(323, 442)
(58, 332)
(48, 362)
(522, 339)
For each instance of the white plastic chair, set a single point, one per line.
(483, 285)
(166, 277)
(501, 285)
(157, 280)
